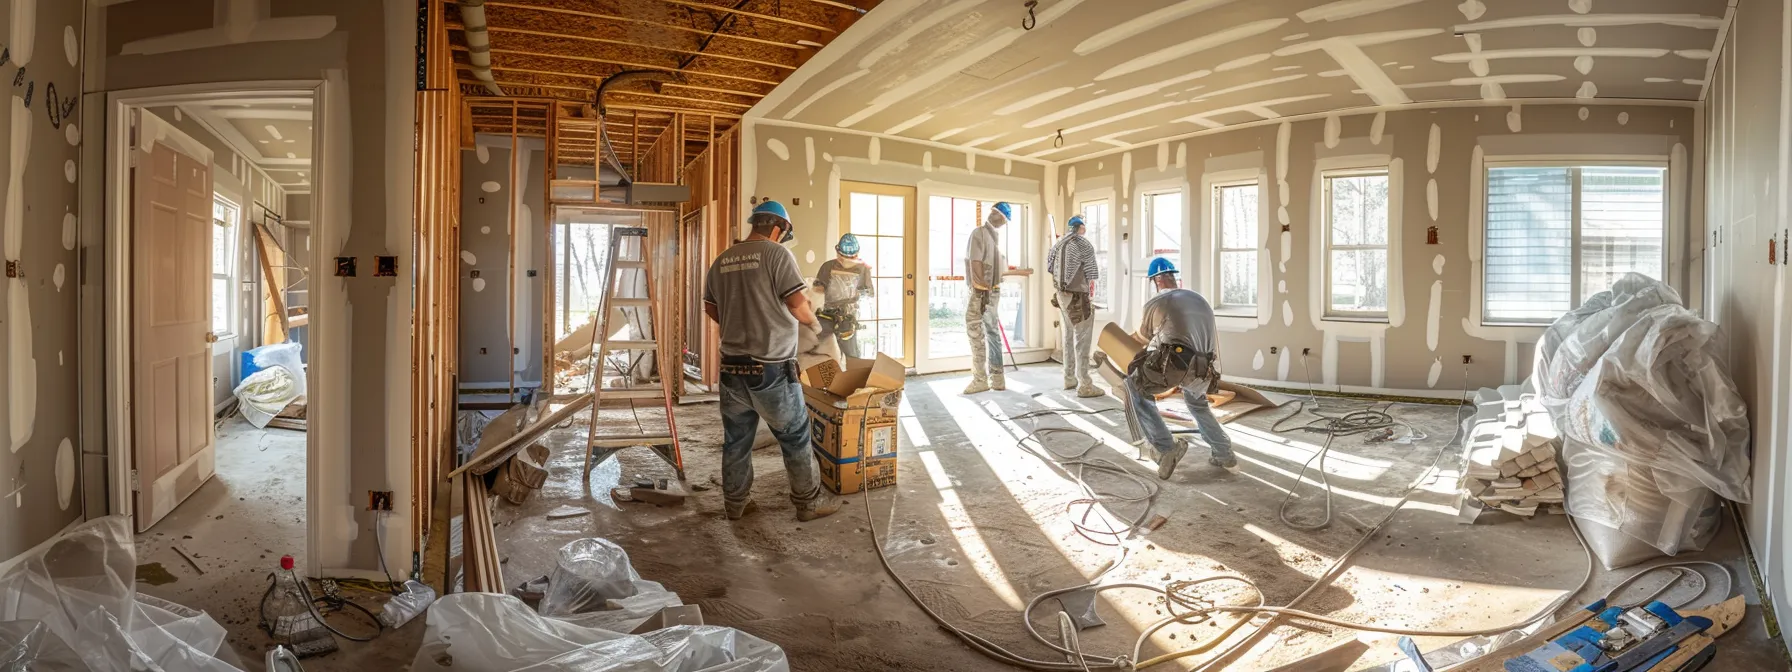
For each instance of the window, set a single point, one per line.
(1356, 244)
(1236, 216)
(1095, 219)
(1558, 234)
(1163, 214)
(950, 222)
(224, 229)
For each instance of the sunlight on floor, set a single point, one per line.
(965, 530)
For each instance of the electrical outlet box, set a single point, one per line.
(482, 351)
(379, 500)
(1467, 359)
(1274, 350)
(385, 266)
(1306, 351)
(345, 267)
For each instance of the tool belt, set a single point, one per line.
(747, 366)
(844, 319)
(1172, 364)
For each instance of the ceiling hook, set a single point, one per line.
(1031, 20)
(1059, 140)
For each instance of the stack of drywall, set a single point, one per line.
(1511, 458)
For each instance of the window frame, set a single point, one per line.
(1216, 272)
(1148, 242)
(233, 247)
(1327, 247)
(1105, 304)
(1668, 189)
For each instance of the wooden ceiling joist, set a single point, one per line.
(765, 79)
(622, 17)
(712, 51)
(707, 7)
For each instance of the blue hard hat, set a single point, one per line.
(849, 245)
(773, 208)
(1006, 210)
(1076, 221)
(1159, 266)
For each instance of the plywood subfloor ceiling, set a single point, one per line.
(1123, 73)
(729, 54)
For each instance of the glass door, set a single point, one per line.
(949, 224)
(882, 217)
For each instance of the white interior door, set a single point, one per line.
(171, 363)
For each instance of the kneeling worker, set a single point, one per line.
(1181, 351)
(842, 281)
(753, 291)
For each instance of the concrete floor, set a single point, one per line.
(978, 526)
(237, 526)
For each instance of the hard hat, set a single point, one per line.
(849, 245)
(1159, 266)
(1076, 222)
(772, 213)
(1004, 208)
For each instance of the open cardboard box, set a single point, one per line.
(852, 421)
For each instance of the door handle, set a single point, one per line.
(211, 337)
(910, 292)
(910, 276)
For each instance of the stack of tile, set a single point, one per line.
(1510, 457)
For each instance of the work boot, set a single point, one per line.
(822, 507)
(998, 382)
(1087, 390)
(1166, 461)
(977, 385)
(1069, 383)
(738, 512)
(1226, 462)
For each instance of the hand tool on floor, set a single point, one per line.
(1638, 639)
(1010, 361)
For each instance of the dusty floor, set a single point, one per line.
(237, 526)
(979, 525)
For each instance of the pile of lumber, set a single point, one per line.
(1511, 459)
(507, 444)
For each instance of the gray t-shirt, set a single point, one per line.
(841, 284)
(1181, 314)
(984, 247)
(748, 284)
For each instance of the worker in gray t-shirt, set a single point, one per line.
(983, 269)
(1181, 350)
(842, 280)
(753, 291)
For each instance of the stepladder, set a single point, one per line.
(631, 373)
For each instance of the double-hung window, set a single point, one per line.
(224, 231)
(1558, 233)
(1235, 215)
(1095, 221)
(1163, 215)
(1356, 243)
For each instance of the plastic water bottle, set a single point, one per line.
(286, 614)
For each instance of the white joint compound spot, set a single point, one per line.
(1163, 156)
(56, 276)
(1287, 314)
(1181, 155)
(468, 256)
(71, 49)
(177, 114)
(1436, 314)
(485, 229)
(22, 374)
(1583, 64)
(69, 227)
(1437, 265)
(970, 162)
(809, 258)
(24, 31)
(484, 155)
(1431, 198)
(73, 133)
(1587, 90)
(15, 199)
(1588, 36)
(1257, 361)
(1377, 128)
(1472, 9)
(1623, 118)
(1580, 6)
(809, 155)
(1584, 113)
(1284, 134)
(490, 187)
(1437, 370)
(927, 161)
(876, 152)
(1282, 216)
(778, 148)
(1282, 366)
(68, 171)
(1333, 128)
(1515, 119)
(1434, 149)
(1008, 166)
(1287, 249)
(1283, 192)
(65, 474)
(478, 284)
(1070, 179)
(1125, 176)
(59, 361)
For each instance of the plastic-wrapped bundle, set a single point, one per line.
(481, 632)
(592, 574)
(1575, 342)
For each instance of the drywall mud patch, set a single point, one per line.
(69, 225)
(468, 256)
(778, 149)
(22, 372)
(490, 187)
(65, 474)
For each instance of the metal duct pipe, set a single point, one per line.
(479, 43)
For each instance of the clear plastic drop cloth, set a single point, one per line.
(483, 632)
(72, 604)
(589, 574)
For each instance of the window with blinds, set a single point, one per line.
(1235, 212)
(1558, 234)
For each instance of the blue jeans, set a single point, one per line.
(776, 397)
(1152, 424)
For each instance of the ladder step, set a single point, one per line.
(629, 441)
(620, 344)
(622, 393)
(639, 231)
(628, 302)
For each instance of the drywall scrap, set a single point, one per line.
(1511, 457)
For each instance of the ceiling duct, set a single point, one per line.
(479, 43)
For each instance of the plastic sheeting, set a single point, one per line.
(482, 632)
(72, 604)
(593, 578)
(280, 381)
(1653, 425)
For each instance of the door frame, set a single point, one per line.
(116, 282)
(1038, 348)
(910, 238)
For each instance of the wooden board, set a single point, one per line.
(488, 458)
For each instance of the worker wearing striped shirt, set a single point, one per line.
(1074, 272)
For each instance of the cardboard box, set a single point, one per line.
(852, 421)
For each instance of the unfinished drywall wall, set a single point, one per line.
(1747, 120)
(365, 53)
(1434, 159)
(40, 484)
(488, 328)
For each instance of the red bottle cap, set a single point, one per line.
(286, 562)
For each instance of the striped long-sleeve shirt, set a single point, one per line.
(1072, 263)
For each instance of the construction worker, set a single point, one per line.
(753, 291)
(1181, 351)
(842, 281)
(983, 269)
(1074, 271)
